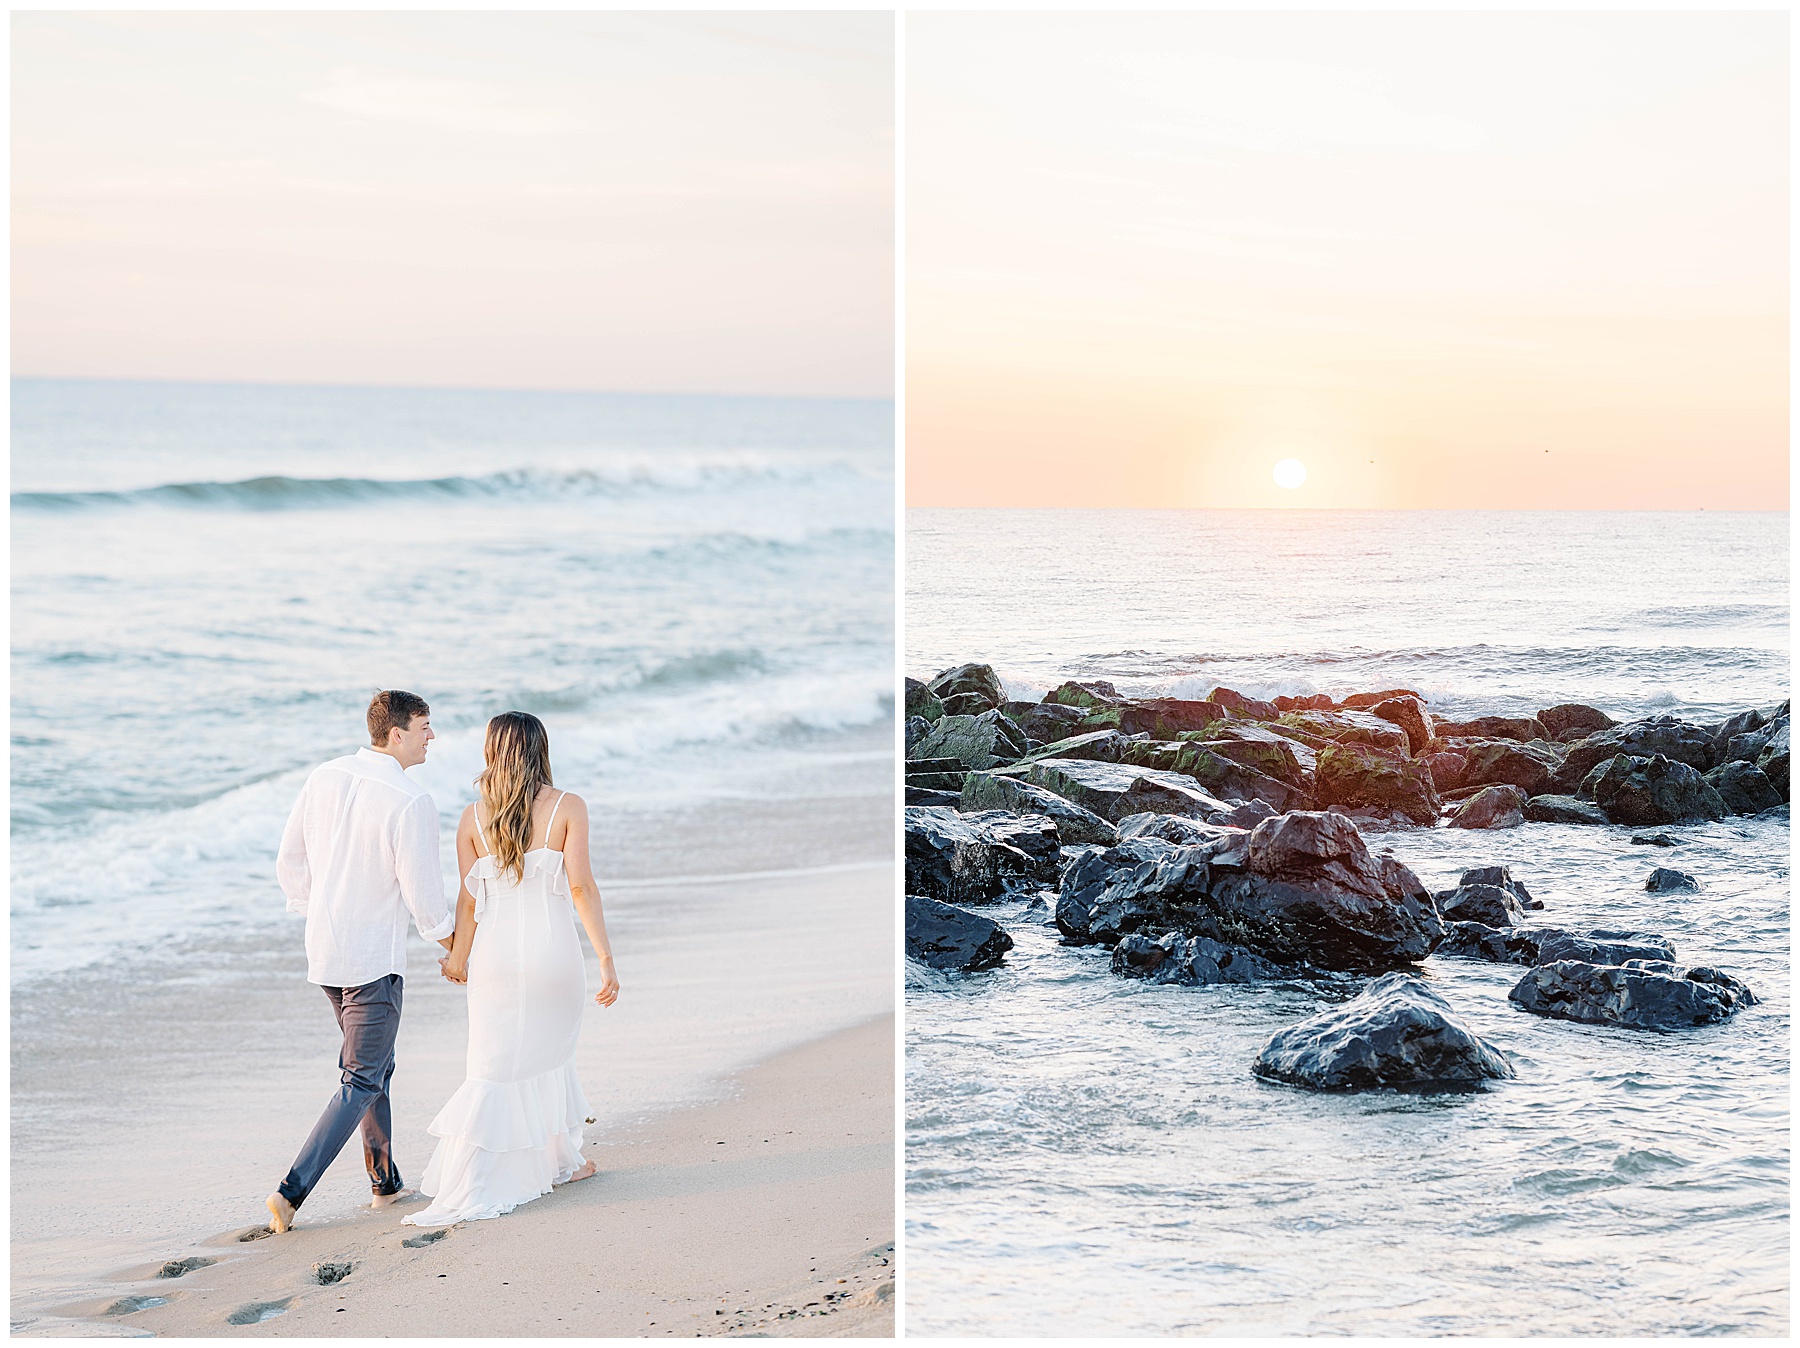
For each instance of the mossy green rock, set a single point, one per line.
(1362, 776)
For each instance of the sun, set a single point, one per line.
(1290, 473)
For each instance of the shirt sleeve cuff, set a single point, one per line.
(441, 930)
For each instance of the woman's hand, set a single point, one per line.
(455, 967)
(609, 985)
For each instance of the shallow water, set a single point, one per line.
(210, 581)
(1089, 1155)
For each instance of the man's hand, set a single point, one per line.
(457, 971)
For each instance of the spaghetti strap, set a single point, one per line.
(552, 819)
(480, 832)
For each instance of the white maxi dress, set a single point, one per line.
(514, 1127)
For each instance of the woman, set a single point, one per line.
(514, 1128)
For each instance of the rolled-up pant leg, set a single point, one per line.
(369, 1016)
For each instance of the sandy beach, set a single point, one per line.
(769, 1213)
(155, 1104)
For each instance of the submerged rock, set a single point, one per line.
(1743, 787)
(1490, 905)
(1652, 840)
(1636, 995)
(1664, 880)
(1544, 945)
(986, 791)
(1564, 810)
(1191, 961)
(946, 937)
(1655, 790)
(1399, 1033)
(1491, 807)
(977, 858)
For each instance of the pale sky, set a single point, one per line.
(637, 202)
(1444, 260)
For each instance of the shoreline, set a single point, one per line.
(200, 1067)
(793, 1236)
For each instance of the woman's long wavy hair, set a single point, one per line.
(518, 766)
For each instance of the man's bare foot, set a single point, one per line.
(388, 1200)
(281, 1213)
(586, 1172)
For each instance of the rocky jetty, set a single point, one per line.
(1636, 995)
(1221, 840)
(1398, 1034)
(947, 937)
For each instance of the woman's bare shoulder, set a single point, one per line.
(571, 801)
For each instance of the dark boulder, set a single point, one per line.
(1655, 790)
(1302, 889)
(936, 774)
(1652, 840)
(1502, 876)
(1559, 720)
(947, 937)
(1637, 995)
(1564, 810)
(1305, 702)
(1114, 790)
(1666, 880)
(1162, 718)
(1673, 738)
(1522, 728)
(1446, 768)
(977, 858)
(917, 727)
(985, 791)
(1490, 905)
(1360, 775)
(1095, 693)
(1736, 737)
(1191, 961)
(969, 690)
(924, 795)
(1246, 815)
(1319, 728)
(974, 741)
(1491, 807)
(1255, 708)
(1773, 760)
(1044, 722)
(921, 701)
(1408, 712)
(1398, 1034)
(1179, 830)
(1530, 767)
(1218, 774)
(1744, 787)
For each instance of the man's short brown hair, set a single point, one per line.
(392, 709)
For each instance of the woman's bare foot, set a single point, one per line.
(281, 1213)
(586, 1172)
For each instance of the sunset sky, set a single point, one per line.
(1443, 260)
(635, 202)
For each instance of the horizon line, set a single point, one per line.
(1393, 510)
(16, 377)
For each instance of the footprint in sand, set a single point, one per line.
(326, 1274)
(254, 1233)
(426, 1238)
(258, 1311)
(126, 1305)
(176, 1267)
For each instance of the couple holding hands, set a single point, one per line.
(358, 857)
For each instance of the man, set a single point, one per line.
(360, 852)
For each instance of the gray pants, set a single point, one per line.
(369, 1016)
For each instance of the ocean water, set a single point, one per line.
(1090, 1155)
(210, 581)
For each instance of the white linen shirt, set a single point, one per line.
(361, 850)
